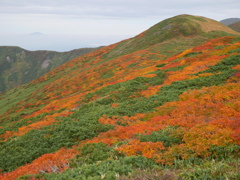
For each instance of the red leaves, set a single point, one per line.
(56, 163)
(210, 116)
(46, 121)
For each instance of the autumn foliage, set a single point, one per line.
(142, 103)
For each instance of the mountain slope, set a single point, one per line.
(19, 66)
(173, 30)
(135, 106)
(229, 21)
(235, 26)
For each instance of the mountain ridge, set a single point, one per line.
(229, 21)
(19, 66)
(235, 26)
(177, 26)
(167, 102)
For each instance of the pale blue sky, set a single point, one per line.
(70, 24)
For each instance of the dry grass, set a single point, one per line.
(212, 25)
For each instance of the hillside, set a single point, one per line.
(162, 104)
(19, 66)
(235, 26)
(229, 21)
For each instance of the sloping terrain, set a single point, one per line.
(229, 21)
(235, 26)
(19, 66)
(162, 104)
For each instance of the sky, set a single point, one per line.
(63, 25)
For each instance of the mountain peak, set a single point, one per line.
(210, 25)
(175, 28)
(189, 25)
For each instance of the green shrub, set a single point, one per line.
(210, 170)
(107, 169)
(92, 153)
(166, 135)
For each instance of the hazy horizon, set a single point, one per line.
(76, 24)
(60, 43)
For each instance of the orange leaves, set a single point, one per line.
(125, 120)
(46, 121)
(220, 101)
(201, 75)
(180, 151)
(233, 124)
(47, 163)
(237, 67)
(146, 149)
(184, 53)
(128, 132)
(204, 47)
(226, 49)
(151, 90)
(201, 137)
(210, 116)
(114, 105)
(106, 120)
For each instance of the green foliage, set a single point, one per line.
(92, 153)
(224, 66)
(219, 47)
(2, 85)
(215, 34)
(235, 50)
(209, 170)
(18, 124)
(132, 65)
(108, 169)
(159, 79)
(107, 75)
(97, 160)
(177, 68)
(191, 54)
(19, 66)
(13, 77)
(68, 132)
(166, 135)
(64, 133)
(165, 31)
(125, 89)
(224, 152)
(160, 65)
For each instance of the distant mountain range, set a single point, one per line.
(229, 21)
(233, 23)
(19, 66)
(235, 26)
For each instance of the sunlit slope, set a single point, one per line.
(123, 99)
